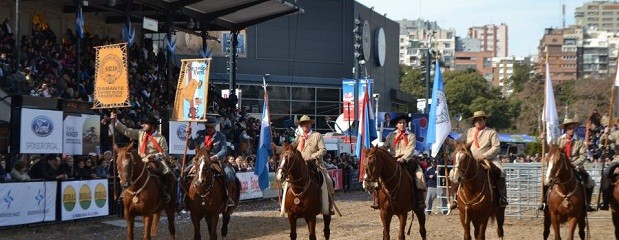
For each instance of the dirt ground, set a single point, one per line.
(261, 220)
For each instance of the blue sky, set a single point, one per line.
(526, 19)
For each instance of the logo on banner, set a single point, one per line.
(111, 67)
(8, 199)
(100, 195)
(180, 132)
(85, 197)
(68, 198)
(39, 197)
(42, 126)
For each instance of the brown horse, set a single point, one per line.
(475, 196)
(207, 196)
(142, 194)
(396, 192)
(302, 198)
(566, 198)
(614, 200)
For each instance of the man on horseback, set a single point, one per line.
(401, 144)
(485, 146)
(312, 148)
(575, 151)
(152, 147)
(607, 189)
(216, 142)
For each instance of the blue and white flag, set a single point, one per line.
(264, 146)
(79, 23)
(367, 130)
(128, 33)
(440, 123)
(550, 116)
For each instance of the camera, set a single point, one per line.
(376, 95)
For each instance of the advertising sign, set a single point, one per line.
(418, 126)
(177, 137)
(81, 134)
(41, 131)
(84, 199)
(192, 91)
(338, 178)
(27, 202)
(348, 96)
(111, 81)
(249, 185)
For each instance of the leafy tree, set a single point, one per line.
(461, 88)
(522, 74)
(412, 81)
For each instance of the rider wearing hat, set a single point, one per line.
(216, 141)
(152, 147)
(485, 146)
(401, 144)
(312, 148)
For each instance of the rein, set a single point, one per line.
(292, 182)
(480, 197)
(384, 183)
(208, 189)
(132, 182)
(557, 181)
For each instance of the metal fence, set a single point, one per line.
(523, 189)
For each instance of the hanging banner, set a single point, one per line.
(192, 91)
(40, 131)
(348, 99)
(27, 202)
(177, 137)
(84, 199)
(217, 42)
(81, 134)
(249, 185)
(111, 81)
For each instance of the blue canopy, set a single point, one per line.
(504, 137)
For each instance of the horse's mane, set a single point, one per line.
(295, 152)
(380, 152)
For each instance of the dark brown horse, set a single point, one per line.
(302, 198)
(207, 196)
(566, 198)
(614, 200)
(396, 192)
(142, 195)
(475, 196)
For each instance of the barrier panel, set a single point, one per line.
(84, 199)
(338, 179)
(249, 185)
(27, 202)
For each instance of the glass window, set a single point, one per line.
(279, 92)
(303, 107)
(328, 94)
(252, 91)
(328, 108)
(307, 94)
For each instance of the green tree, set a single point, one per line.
(522, 74)
(461, 88)
(412, 82)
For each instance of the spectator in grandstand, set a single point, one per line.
(430, 176)
(242, 163)
(272, 164)
(84, 170)
(232, 162)
(326, 162)
(103, 170)
(47, 169)
(20, 171)
(66, 167)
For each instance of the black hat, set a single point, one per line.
(150, 119)
(211, 120)
(395, 120)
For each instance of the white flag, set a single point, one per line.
(549, 115)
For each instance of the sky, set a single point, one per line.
(526, 19)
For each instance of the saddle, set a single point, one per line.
(410, 167)
(315, 173)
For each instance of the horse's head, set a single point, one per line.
(202, 163)
(557, 163)
(125, 161)
(289, 156)
(373, 167)
(461, 156)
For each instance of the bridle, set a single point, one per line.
(285, 171)
(371, 158)
(464, 171)
(128, 163)
(199, 183)
(564, 163)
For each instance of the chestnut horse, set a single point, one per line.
(207, 196)
(566, 197)
(614, 200)
(475, 195)
(302, 198)
(396, 190)
(142, 194)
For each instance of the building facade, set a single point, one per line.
(503, 70)
(494, 38)
(562, 49)
(416, 36)
(481, 61)
(601, 15)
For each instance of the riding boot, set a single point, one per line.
(502, 191)
(589, 192)
(605, 198)
(374, 199)
(230, 188)
(165, 186)
(542, 205)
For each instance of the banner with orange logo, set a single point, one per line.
(192, 91)
(111, 81)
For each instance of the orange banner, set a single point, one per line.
(111, 81)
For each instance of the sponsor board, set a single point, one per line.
(84, 199)
(338, 178)
(192, 91)
(177, 136)
(27, 202)
(41, 131)
(249, 185)
(81, 134)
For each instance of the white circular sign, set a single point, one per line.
(367, 40)
(379, 42)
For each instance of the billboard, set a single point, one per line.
(84, 199)
(192, 92)
(27, 202)
(41, 131)
(81, 134)
(177, 137)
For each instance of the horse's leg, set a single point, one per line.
(500, 220)
(402, 218)
(476, 229)
(225, 218)
(130, 218)
(556, 227)
(311, 226)
(571, 227)
(616, 223)
(293, 226)
(581, 227)
(148, 223)
(466, 225)
(195, 219)
(421, 217)
(171, 227)
(481, 233)
(212, 226)
(546, 223)
(155, 225)
(386, 218)
(326, 219)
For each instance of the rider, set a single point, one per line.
(312, 148)
(611, 137)
(401, 144)
(575, 151)
(216, 141)
(485, 146)
(152, 147)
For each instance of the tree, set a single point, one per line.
(461, 88)
(411, 81)
(522, 74)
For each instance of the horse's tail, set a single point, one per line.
(237, 192)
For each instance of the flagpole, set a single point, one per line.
(611, 123)
(545, 133)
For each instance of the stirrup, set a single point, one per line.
(231, 202)
(541, 206)
(454, 205)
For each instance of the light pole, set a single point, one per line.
(378, 132)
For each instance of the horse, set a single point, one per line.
(142, 193)
(476, 201)
(614, 200)
(302, 198)
(207, 196)
(566, 197)
(396, 192)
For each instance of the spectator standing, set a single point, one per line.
(20, 172)
(103, 170)
(430, 176)
(47, 169)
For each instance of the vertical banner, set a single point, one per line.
(419, 127)
(81, 134)
(177, 137)
(84, 199)
(27, 202)
(348, 99)
(361, 90)
(227, 43)
(111, 81)
(40, 131)
(192, 91)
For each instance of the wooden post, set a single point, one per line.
(114, 156)
(184, 156)
(541, 189)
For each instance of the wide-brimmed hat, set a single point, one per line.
(303, 119)
(568, 121)
(211, 120)
(395, 120)
(478, 114)
(150, 119)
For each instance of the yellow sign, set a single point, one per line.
(100, 195)
(85, 197)
(111, 81)
(69, 198)
(192, 90)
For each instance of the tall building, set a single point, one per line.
(418, 35)
(503, 70)
(482, 61)
(601, 15)
(562, 49)
(493, 38)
